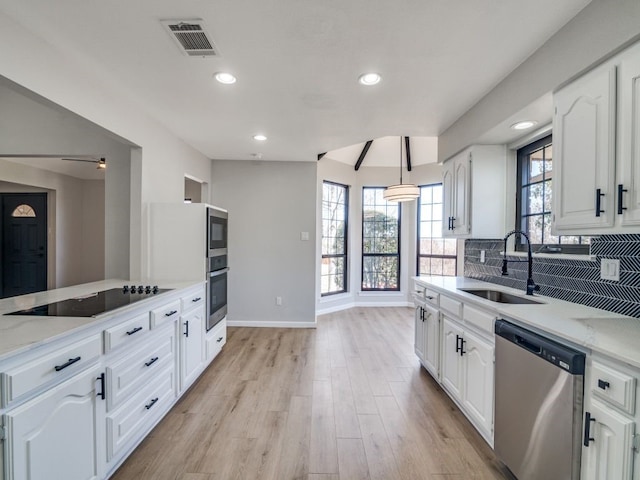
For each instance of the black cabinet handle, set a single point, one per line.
(458, 338)
(453, 219)
(151, 362)
(172, 312)
(71, 361)
(219, 339)
(462, 342)
(151, 403)
(599, 196)
(587, 429)
(131, 332)
(621, 192)
(197, 299)
(186, 330)
(603, 384)
(102, 392)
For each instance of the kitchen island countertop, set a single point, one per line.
(24, 332)
(590, 329)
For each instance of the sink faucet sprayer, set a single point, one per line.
(531, 285)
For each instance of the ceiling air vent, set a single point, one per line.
(191, 37)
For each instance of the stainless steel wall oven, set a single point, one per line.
(217, 266)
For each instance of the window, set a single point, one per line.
(23, 210)
(380, 241)
(436, 255)
(533, 202)
(335, 208)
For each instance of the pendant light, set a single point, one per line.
(403, 192)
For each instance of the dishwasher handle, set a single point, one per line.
(527, 345)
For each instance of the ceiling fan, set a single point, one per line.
(100, 162)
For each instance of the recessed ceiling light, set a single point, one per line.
(369, 79)
(260, 137)
(524, 125)
(226, 78)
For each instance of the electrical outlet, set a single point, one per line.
(278, 301)
(482, 256)
(304, 236)
(610, 269)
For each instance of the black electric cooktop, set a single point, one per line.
(95, 303)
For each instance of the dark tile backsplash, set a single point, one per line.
(571, 280)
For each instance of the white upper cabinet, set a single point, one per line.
(474, 183)
(628, 186)
(595, 135)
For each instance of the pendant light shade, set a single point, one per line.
(402, 192)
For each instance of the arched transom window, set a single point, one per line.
(24, 210)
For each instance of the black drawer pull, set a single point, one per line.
(151, 362)
(172, 312)
(220, 339)
(458, 347)
(453, 219)
(197, 299)
(621, 192)
(603, 384)
(131, 332)
(186, 328)
(151, 403)
(71, 361)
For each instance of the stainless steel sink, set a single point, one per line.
(498, 296)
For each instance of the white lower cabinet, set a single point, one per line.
(191, 347)
(477, 390)
(215, 339)
(419, 338)
(427, 338)
(610, 452)
(452, 361)
(58, 434)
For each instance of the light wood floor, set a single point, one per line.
(346, 401)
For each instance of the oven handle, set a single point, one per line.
(217, 273)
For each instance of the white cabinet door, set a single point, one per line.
(462, 180)
(628, 187)
(419, 337)
(191, 346)
(432, 341)
(452, 364)
(448, 197)
(478, 380)
(59, 434)
(584, 147)
(610, 453)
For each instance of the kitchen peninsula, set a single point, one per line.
(105, 380)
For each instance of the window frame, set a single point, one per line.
(363, 255)
(345, 255)
(418, 236)
(522, 168)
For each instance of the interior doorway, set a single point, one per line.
(23, 236)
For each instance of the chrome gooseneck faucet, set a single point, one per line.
(531, 285)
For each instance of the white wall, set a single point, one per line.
(599, 30)
(158, 167)
(376, 177)
(76, 221)
(269, 204)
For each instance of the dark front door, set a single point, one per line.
(23, 259)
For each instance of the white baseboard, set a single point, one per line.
(346, 306)
(269, 324)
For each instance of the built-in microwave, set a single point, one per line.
(216, 231)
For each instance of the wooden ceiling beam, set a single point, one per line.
(320, 155)
(363, 154)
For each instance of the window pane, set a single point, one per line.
(547, 195)
(536, 166)
(548, 238)
(432, 248)
(380, 273)
(535, 229)
(334, 238)
(450, 246)
(533, 197)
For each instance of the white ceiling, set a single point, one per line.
(297, 64)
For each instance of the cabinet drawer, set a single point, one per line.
(165, 313)
(193, 299)
(431, 296)
(452, 306)
(615, 387)
(131, 372)
(481, 319)
(216, 339)
(127, 423)
(56, 364)
(127, 333)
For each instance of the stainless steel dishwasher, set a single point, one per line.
(538, 404)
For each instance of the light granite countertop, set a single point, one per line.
(590, 329)
(21, 333)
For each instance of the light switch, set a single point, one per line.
(304, 236)
(610, 269)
